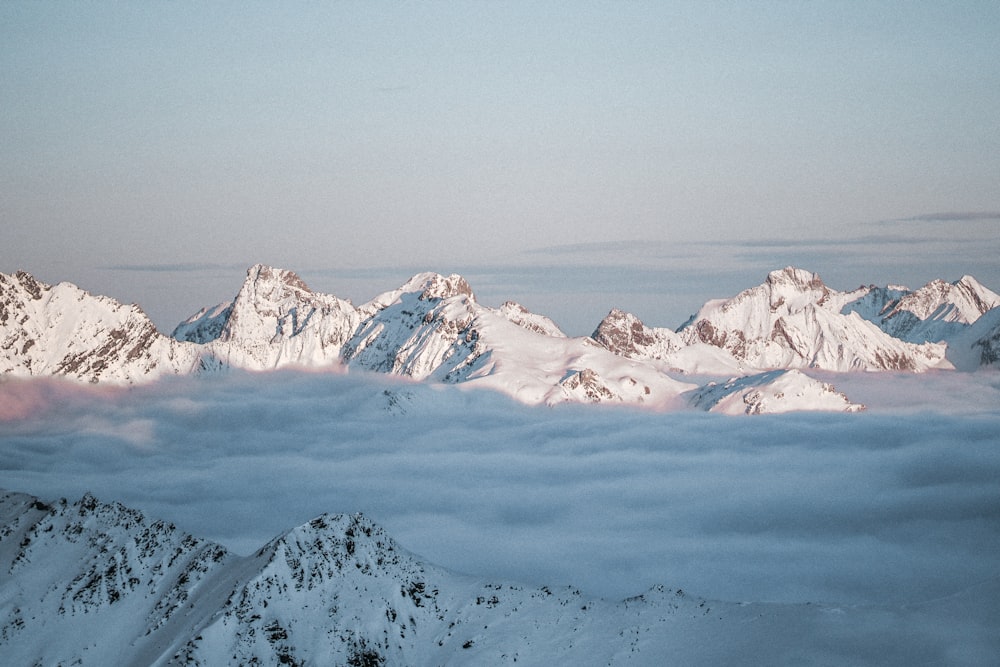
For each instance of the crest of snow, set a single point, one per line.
(770, 393)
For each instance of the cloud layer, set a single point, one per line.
(837, 508)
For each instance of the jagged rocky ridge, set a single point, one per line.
(433, 328)
(65, 331)
(92, 583)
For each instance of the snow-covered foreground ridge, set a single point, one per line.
(91, 583)
(433, 328)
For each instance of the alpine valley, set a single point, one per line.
(751, 353)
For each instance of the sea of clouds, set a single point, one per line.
(898, 505)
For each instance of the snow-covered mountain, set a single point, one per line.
(433, 328)
(65, 331)
(772, 392)
(91, 583)
(274, 321)
(625, 335)
(938, 311)
(793, 320)
(976, 345)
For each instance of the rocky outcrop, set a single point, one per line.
(625, 335)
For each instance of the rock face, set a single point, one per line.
(62, 330)
(624, 334)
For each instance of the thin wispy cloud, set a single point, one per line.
(182, 267)
(951, 216)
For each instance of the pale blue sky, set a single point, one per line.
(721, 140)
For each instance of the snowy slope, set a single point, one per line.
(986, 338)
(65, 331)
(771, 393)
(938, 311)
(89, 583)
(793, 320)
(977, 345)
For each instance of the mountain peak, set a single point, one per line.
(436, 286)
(800, 278)
(261, 275)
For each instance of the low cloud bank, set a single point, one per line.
(849, 509)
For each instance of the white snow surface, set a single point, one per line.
(772, 392)
(91, 583)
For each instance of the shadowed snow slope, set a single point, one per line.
(90, 583)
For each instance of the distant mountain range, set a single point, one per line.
(94, 583)
(432, 328)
